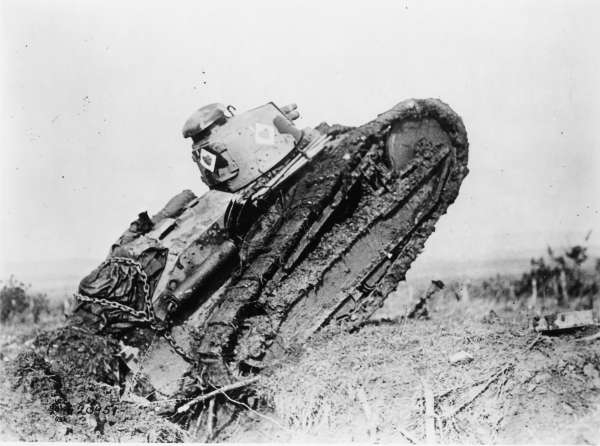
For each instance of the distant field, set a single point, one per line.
(57, 279)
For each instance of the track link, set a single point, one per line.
(338, 241)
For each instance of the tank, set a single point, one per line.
(299, 229)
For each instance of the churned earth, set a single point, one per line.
(392, 380)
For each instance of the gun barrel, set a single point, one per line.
(190, 290)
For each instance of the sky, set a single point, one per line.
(94, 95)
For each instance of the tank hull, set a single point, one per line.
(326, 245)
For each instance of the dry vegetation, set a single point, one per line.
(369, 385)
(392, 380)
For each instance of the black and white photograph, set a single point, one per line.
(305, 222)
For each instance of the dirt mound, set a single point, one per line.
(67, 387)
(369, 386)
(30, 374)
(78, 352)
(513, 387)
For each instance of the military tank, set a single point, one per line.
(299, 229)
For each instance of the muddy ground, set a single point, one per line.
(364, 386)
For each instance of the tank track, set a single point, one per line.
(336, 242)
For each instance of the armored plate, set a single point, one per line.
(253, 142)
(181, 235)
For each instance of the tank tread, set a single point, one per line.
(338, 240)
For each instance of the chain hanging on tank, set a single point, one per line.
(146, 316)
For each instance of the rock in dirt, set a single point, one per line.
(593, 374)
(590, 371)
(542, 377)
(461, 357)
